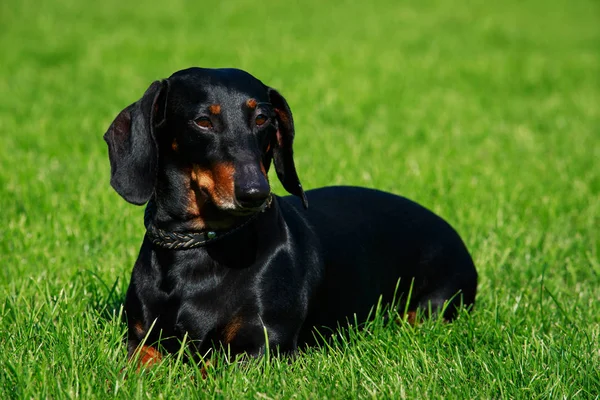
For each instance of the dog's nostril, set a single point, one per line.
(251, 197)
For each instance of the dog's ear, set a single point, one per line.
(132, 146)
(283, 153)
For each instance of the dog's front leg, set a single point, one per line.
(143, 354)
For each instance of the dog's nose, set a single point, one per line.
(253, 196)
(251, 186)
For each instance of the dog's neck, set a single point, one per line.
(250, 239)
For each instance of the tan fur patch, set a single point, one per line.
(174, 145)
(411, 317)
(251, 103)
(279, 139)
(138, 329)
(216, 183)
(204, 371)
(231, 329)
(215, 109)
(282, 116)
(147, 356)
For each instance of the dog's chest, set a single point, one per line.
(203, 302)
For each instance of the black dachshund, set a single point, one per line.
(227, 262)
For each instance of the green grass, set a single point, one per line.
(486, 113)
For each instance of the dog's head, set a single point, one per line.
(210, 133)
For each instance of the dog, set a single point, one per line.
(224, 262)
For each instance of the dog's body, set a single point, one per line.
(198, 147)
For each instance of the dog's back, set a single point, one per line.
(375, 242)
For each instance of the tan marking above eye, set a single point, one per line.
(204, 122)
(251, 103)
(215, 109)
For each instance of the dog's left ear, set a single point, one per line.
(283, 153)
(132, 146)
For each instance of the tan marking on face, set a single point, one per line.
(251, 103)
(231, 329)
(215, 109)
(174, 145)
(195, 201)
(147, 356)
(216, 183)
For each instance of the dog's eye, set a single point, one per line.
(204, 122)
(261, 119)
